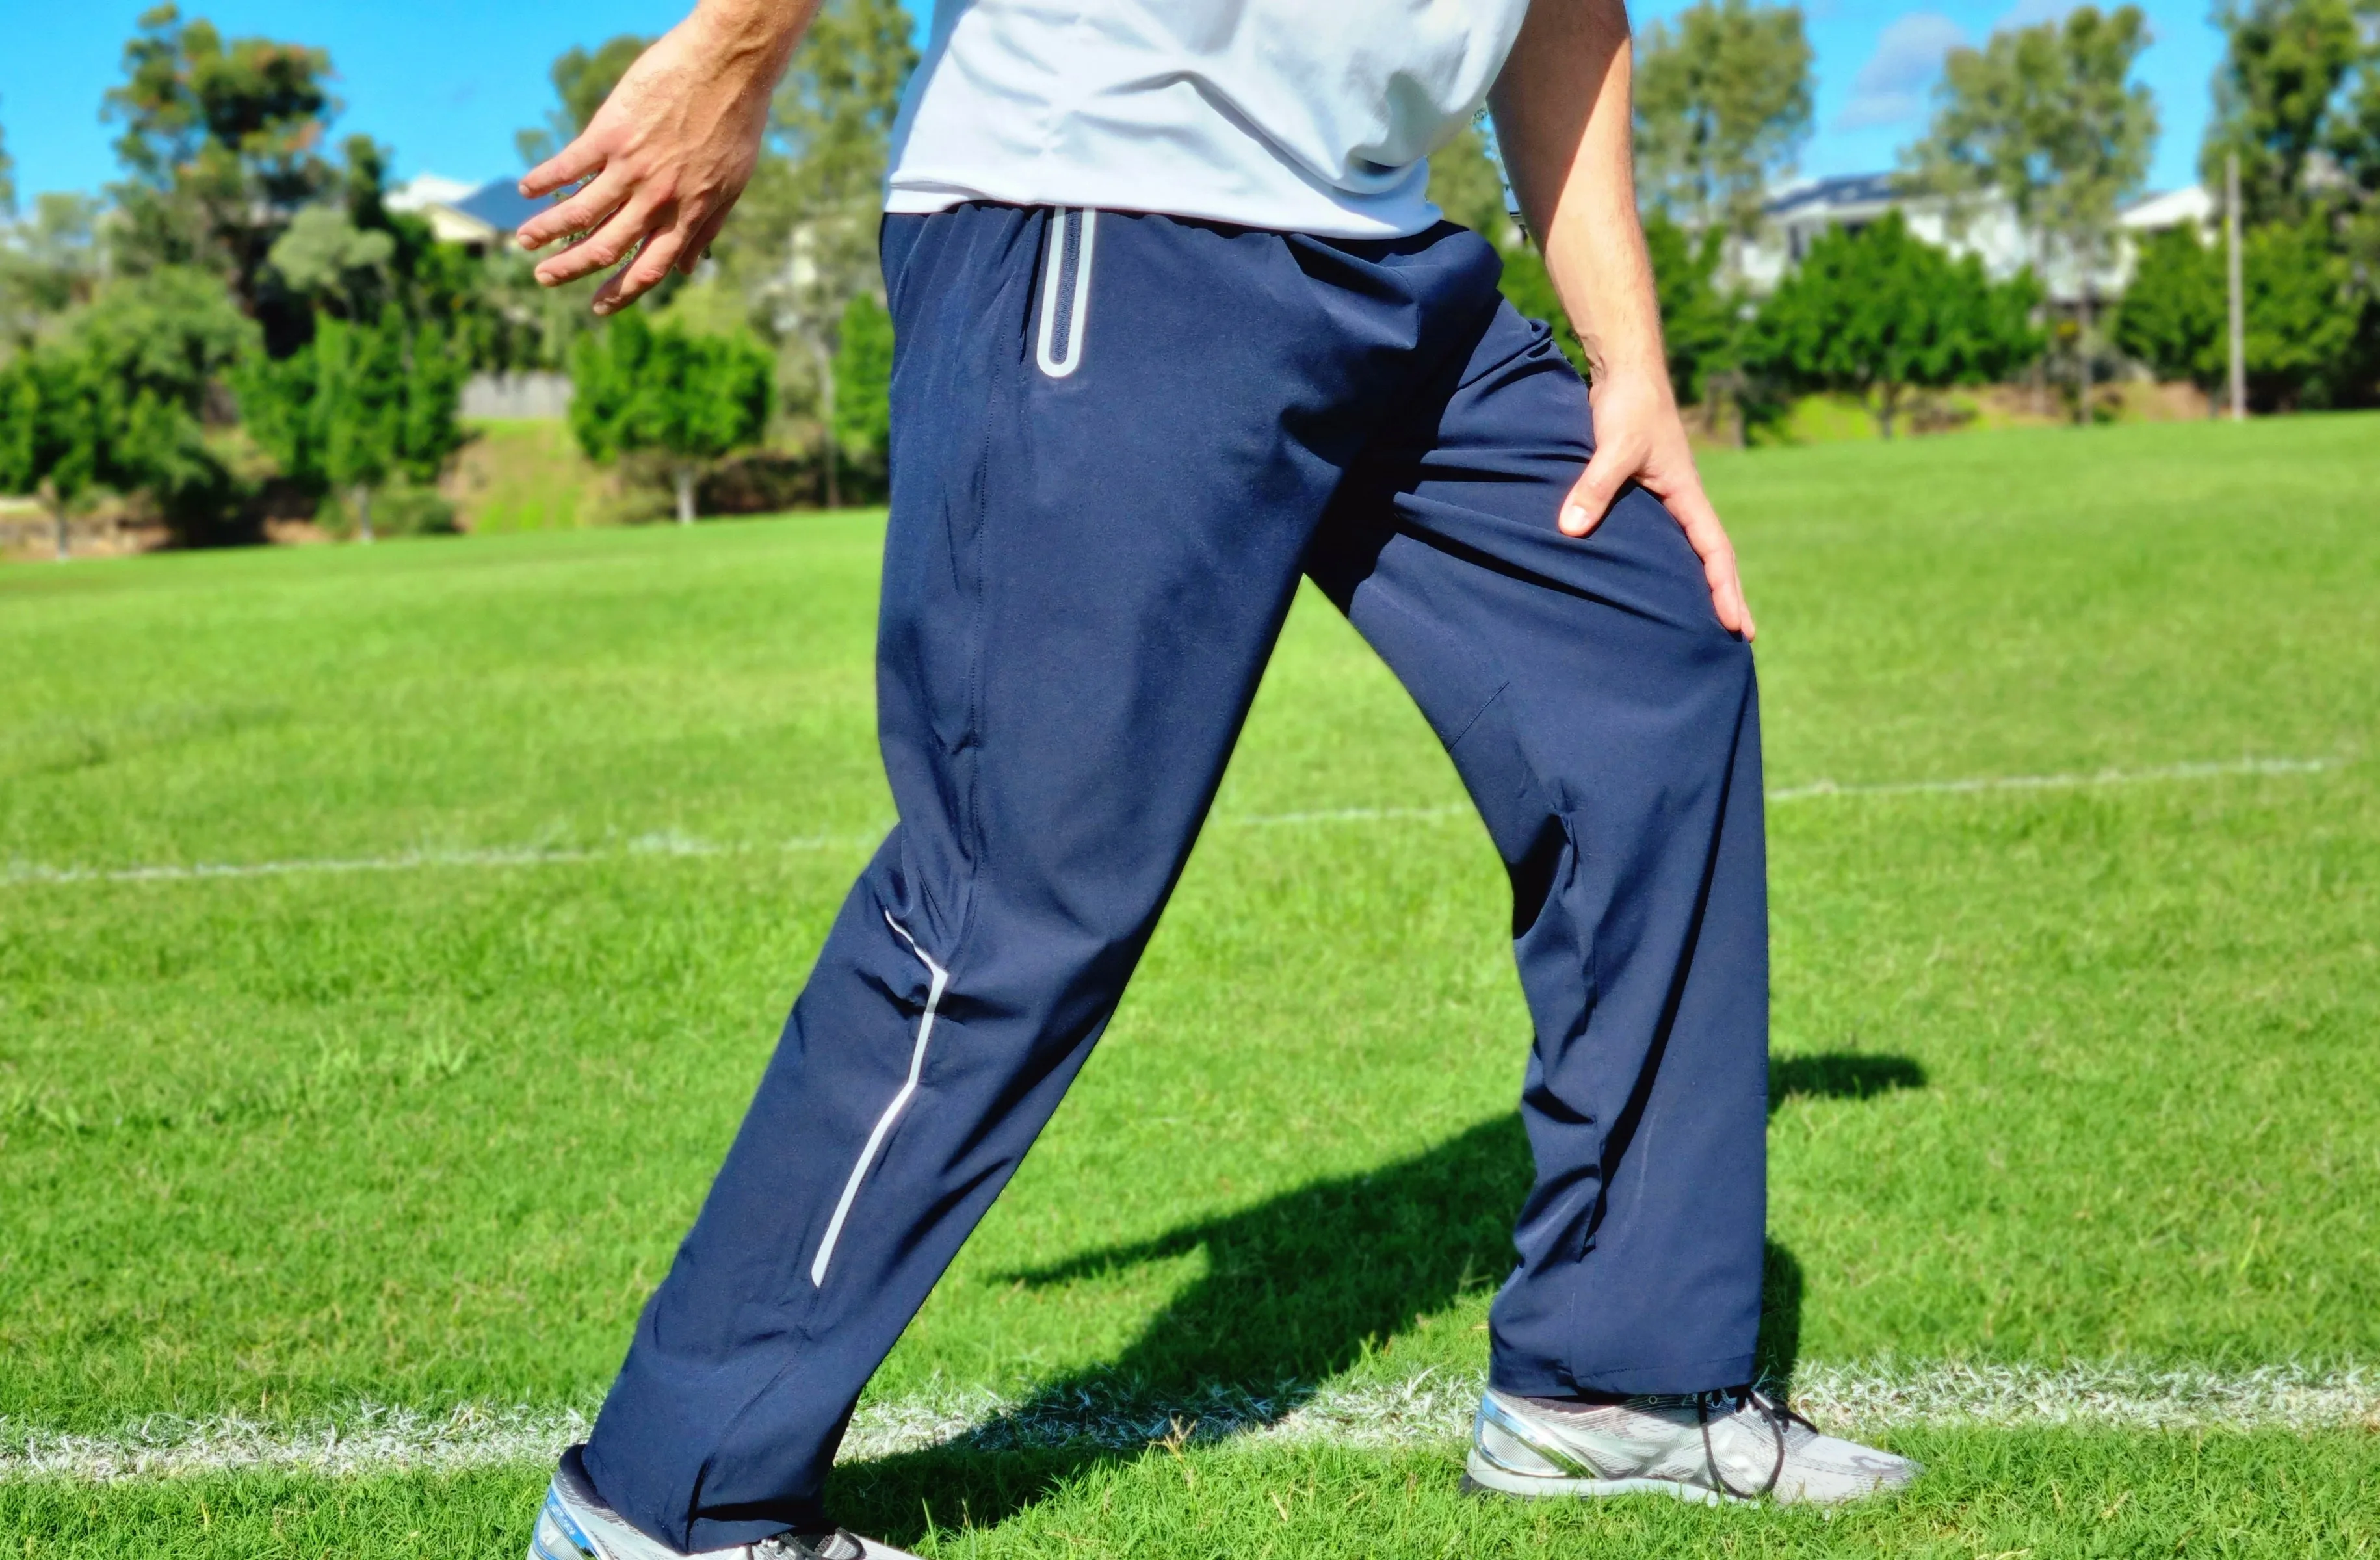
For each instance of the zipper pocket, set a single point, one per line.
(936, 978)
(1066, 292)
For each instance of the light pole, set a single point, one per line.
(2237, 307)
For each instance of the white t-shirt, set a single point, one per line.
(1300, 116)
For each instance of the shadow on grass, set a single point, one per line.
(1297, 1290)
(1840, 1075)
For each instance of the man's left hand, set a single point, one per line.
(1639, 437)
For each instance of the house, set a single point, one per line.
(476, 216)
(1799, 213)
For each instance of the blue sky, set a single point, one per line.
(447, 83)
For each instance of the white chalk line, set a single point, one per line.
(2214, 770)
(1432, 1409)
(415, 860)
(675, 844)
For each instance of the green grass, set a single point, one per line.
(2062, 1074)
(525, 474)
(2077, 1494)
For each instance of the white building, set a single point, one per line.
(476, 216)
(1799, 213)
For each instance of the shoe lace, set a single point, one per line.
(1774, 1412)
(833, 1545)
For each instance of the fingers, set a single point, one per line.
(580, 214)
(573, 163)
(1598, 488)
(613, 241)
(1709, 538)
(642, 274)
(700, 244)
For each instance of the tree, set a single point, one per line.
(582, 81)
(361, 402)
(2297, 98)
(1722, 109)
(161, 345)
(802, 243)
(116, 399)
(220, 146)
(7, 179)
(2352, 137)
(863, 381)
(2045, 118)
(690, 399)
(1876, 312)
(48, 266)
(2306, 318)
(57, 439)
(323, 258)
(1699, 319)
(2172, 314)
(1699, 323)
(2281, 100)
(172, 333)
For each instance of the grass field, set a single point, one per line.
(390, 937)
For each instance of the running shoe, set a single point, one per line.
(1713, 1446)
(575, 1524)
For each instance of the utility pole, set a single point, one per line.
(58, 507)
(825, 360)
(2238, 300)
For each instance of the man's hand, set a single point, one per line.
(1562, 119)
(669, 152)
(1639, 437)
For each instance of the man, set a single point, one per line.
(1176, 322)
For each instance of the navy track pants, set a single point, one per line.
(1117, 441)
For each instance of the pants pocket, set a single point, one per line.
(1066, 291)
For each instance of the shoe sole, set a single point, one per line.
(1484, 1480)
(557, 1535)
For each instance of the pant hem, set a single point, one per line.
(1672, 1378)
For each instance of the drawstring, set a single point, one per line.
(1779, 1419)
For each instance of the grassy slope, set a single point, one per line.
(524, 473)
(2065, 1073)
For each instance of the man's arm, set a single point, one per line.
(1561, 112)
(669, 152)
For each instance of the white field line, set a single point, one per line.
(411, 861)
(673, 844)
(2062, 783)
(1339, 814)
(1430, 1408)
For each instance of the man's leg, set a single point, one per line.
(1097, 518)
(1607, 728)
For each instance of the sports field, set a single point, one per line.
(390, 937)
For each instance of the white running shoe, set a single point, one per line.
(1711, 1447)
(575, 1524)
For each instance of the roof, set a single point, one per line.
(2190, 203)
(500, 204)
(464, 212)
(425, 189)
(1843, 190)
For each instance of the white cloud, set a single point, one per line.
(1890, 86)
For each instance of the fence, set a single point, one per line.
(538, 395)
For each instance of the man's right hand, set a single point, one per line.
(669, 152)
